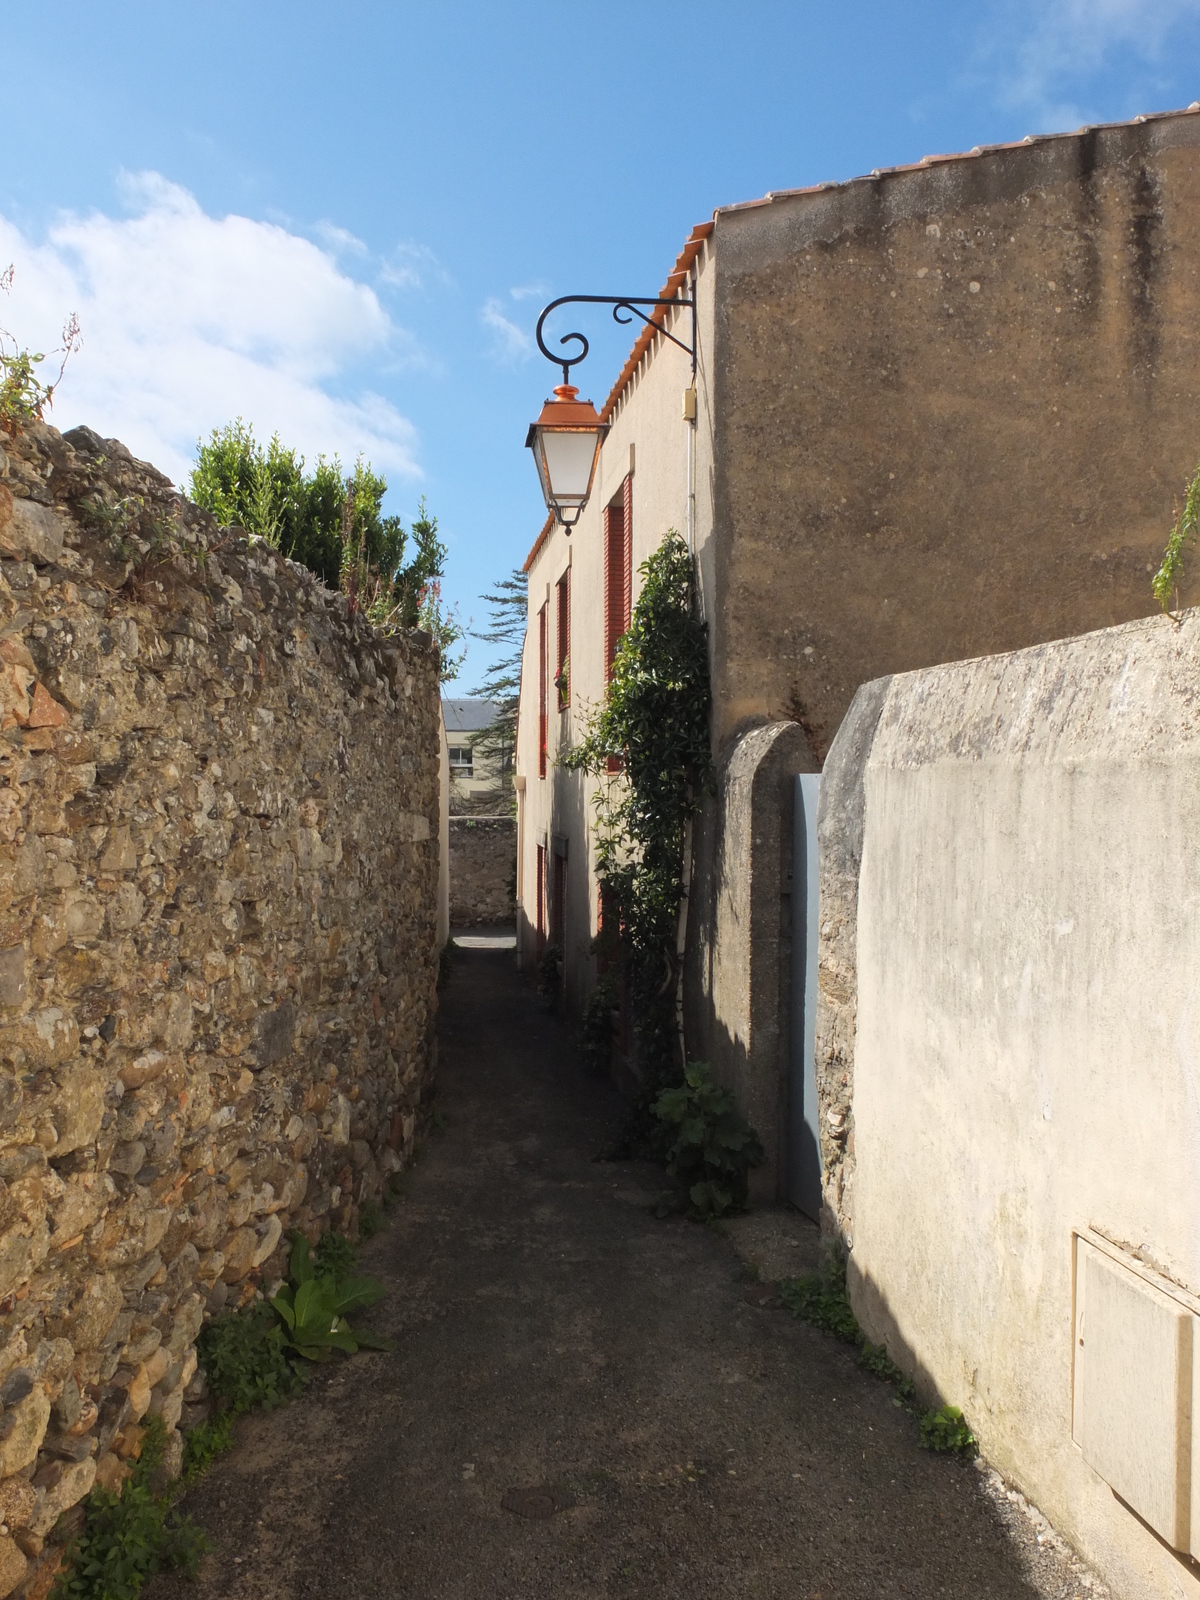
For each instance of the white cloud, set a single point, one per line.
(339, 239)
(1062, 44)
(410, 266)
(510, 342)
(190, 320)
(530, 291)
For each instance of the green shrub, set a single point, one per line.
(370, 1220)
(649, 745)
(712, 1148)
(130, 1536)
(947, 1430)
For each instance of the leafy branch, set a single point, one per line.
(23, 395)
(1187, 525)
(654, 727)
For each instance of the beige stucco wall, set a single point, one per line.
(1027, 1056)
(649, 423)
(955, 407)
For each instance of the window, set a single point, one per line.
(618, 579)
(618, 571)
(541, 897)
(541, 646)
(562, 670)
(462, 761)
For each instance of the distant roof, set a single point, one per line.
(469, 716)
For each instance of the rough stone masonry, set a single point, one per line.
(218, 873)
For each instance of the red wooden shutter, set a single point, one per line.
(627, 552)
(542, 692)
(563, 662)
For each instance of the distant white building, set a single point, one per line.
(475, 775)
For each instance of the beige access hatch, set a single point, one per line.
(1136, 1348)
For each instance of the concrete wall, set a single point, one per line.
(219, 809)
(1010, 1038)
(954, 407)
(482, 865)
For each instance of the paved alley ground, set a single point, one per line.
(551, 1332)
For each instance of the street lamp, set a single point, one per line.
(566, 438)
(565, 441)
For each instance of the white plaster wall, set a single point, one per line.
(1028, 1050)
(650, 419)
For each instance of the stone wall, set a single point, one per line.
(483, 855)
(218, 878)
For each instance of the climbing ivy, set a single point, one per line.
(654, 722)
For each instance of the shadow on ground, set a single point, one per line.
(550, 1332)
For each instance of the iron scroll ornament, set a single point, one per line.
(620, 303)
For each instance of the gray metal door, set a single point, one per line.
(804, 1145)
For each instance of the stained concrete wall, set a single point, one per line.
(954, 406)
(1010, 944)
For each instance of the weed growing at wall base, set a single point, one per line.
(821, 1299)
(129, 1536)
(251, 1358)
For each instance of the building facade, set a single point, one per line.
(939, 412)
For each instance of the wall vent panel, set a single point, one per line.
(1132, 1414)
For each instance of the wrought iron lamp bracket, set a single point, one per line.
(619, 303)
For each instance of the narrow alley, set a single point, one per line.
(551, 1333)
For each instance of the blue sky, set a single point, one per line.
(340, 221)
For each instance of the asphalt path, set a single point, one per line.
(583, 1401)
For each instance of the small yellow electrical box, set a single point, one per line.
(689, 405)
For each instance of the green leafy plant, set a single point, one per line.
(205, 1442)
(947, 1430)
(596, 1034)
(648, 744)
(1187, 525)
(334, 1257)
(711, 1146)
(23, 395)
(548, 976)
(127, 1537)
(314, 1308)
(244, 1356)
(370, 1220)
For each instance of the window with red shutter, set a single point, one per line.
(618, 580)
(542, 692)
(541, 897)
(562, 674)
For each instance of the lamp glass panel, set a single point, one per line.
(569, 458)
